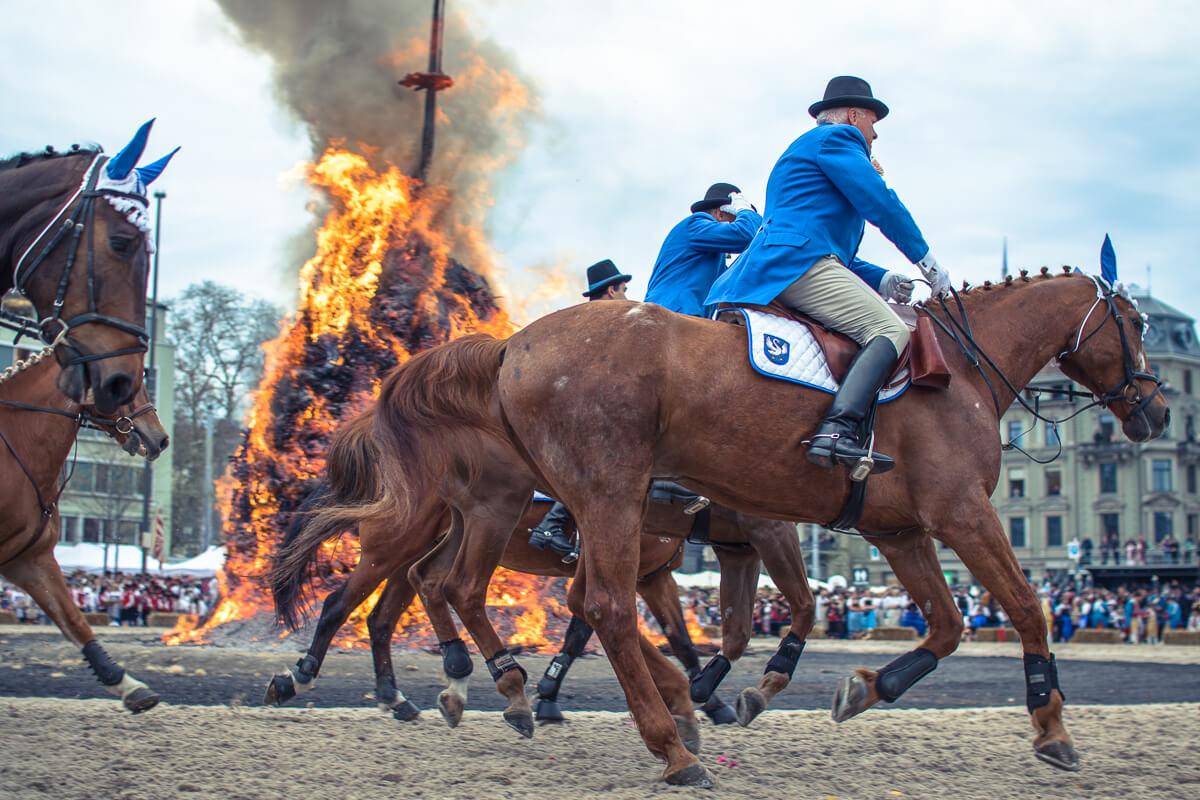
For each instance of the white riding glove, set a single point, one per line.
(938, 277)
(895, 286)
(737, 204)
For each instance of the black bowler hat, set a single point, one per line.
(603, 273)
(846, 91)
(716, 196)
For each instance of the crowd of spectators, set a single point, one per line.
(851, 613)
(1136, 552)
(128, 599)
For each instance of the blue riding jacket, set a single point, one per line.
(692, 256)
(820, 195)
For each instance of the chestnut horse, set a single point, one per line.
(38, 426)
(73, 252)
(734, 436)
(388, 553)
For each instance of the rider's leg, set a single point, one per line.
(837, 298)
(551, 531)
(669, 492)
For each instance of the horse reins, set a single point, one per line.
(53, 329)
(960, 332)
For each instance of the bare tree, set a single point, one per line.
(218, 334)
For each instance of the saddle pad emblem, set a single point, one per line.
(775, 349)
(781, 348)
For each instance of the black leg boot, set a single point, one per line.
(668, 492)
(836, 439)
(551, 532)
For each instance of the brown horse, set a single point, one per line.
(37, 432)
(388, 554)
(73, 245)
(735, 436)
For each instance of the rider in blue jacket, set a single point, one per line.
(693, 254)
(820, 194)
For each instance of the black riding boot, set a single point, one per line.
(551, 532)
(668, 492)
(836, 439)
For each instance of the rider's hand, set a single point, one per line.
(938, 277)
(896, 286)
(737, 204)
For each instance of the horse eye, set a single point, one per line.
(122, 245)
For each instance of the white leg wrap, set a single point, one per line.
(126, 686)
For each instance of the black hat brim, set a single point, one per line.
(850, 101)
(706, 205)
(604, 284)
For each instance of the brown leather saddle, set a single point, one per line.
(923, 356)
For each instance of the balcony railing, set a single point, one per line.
(1091, 452)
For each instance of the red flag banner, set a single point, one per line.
(156, 549)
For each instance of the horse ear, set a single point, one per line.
(151, 171)
(1108, 261)
(119, 167)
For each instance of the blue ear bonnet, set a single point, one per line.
(124, 162)
(1108, 261)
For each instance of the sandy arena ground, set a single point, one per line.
(91, 750)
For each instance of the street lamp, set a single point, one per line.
(151, 376)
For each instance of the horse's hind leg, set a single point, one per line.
(661, 594)
(428, 576)
(397, 596)
(779, 547)
(985, 550)
(913, 558)
(41, 576)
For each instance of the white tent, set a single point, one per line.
(87, 556)
(206, 564)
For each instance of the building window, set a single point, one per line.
(91, 531)
(1187, 381)
(1189, 428)
(69, 530)
(1160, 475)
(1191, 478)
(1164, 524)
(1192, 520)
(1014, 431)
(1016, 482)
(1053, 482)
(1016, 531)
(1054, 531)
(1052, 439)
(1111, 525)
(1107, 427)
(1108, 477)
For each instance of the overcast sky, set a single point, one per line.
(1050, 124)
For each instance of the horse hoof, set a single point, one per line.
(142, 699)
(521, 722)
(1058, 754)
(721, 713)
(406, 711)
(689, 734)
(281, 689)
(850, 698)
(451, 706)
(691, 775)
(548, 713)
(749, 704)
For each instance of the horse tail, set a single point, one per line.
(431, 411)
(350, 492)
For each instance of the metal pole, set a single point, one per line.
(151, 377)
(206, 529)
(816, 550)
(435, 68)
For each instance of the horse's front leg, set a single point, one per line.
(781, 553)
(913, 558)
(40, 575)
(603, 593)
(985, 550)
(574, 640)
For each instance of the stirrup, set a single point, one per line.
(699, 504)
(870, 464)
(571, 557)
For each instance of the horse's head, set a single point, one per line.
(138, 429)
(81, 258)
(1105, 354)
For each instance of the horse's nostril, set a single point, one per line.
(162, 444)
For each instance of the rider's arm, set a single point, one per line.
(705, 233)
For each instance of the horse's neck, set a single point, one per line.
(30, 196)
(1022, 326)
(40, 438)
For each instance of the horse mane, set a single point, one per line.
(971, 294)
(48, 153)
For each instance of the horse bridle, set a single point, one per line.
(960, 332)
(53, 329)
